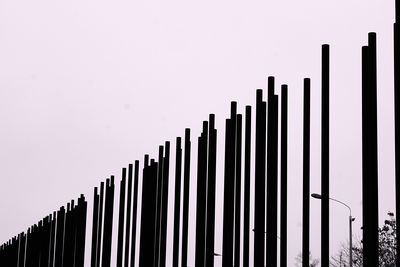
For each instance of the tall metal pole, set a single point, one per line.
(259, 181)
(325, 158)
(306, 175)
(284, 129)
(396, 32)
(370, 154)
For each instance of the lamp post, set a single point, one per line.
(351, 220)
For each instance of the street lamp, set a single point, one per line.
(351, 220)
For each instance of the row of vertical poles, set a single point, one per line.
(201, 197)
(126, 230)
(154, 209)
(57, 240)
(369, 153)
(147, 227)
(155, 203)
(205, 212)
(103, 206)
(233, 125)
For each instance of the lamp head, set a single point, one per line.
(317, 196)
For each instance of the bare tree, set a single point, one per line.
(387, 248)
(299, 260)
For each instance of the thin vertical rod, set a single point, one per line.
(158, 209)
(306, 175)
(95, 227)
(186, 186)
(120, 241)
(284, 130)
(246, 205)
(396, 46)
(108, 216)
(134, 213)
(128, 216)
(100, 228)
(177, 206)
(212, 157)
(370, 154)
(164, 207)
(325, 158)
(259, 197)
(201, 197)
(238, 191)
(272, 176)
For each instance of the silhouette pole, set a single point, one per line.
(211, 176)
(177, 210)
(283, 258)
(134, 213)
(148, 225)
(201, 196)
(246, 205)
(325, 158)
(59, 239)
(186, 186)
(80, 232)
(95, 227)
(272, 171)
(238, 182)
(158, 209)
(369, 154)
(120, 244)
(100, 228)
(259, 190)
(164, 214)
(229, 182)
(108, 216)
(128, 216)
(397, 119)
(306, 175)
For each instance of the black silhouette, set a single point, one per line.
(246, 205)
(306, 175)
(283, 258)
(259, 197)
(325, 157)
(370, 153)
(272, 175)
(58, 240)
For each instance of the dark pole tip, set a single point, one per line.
(259, 94)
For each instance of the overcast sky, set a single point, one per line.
(87, 87)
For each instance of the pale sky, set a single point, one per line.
(87, 87)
